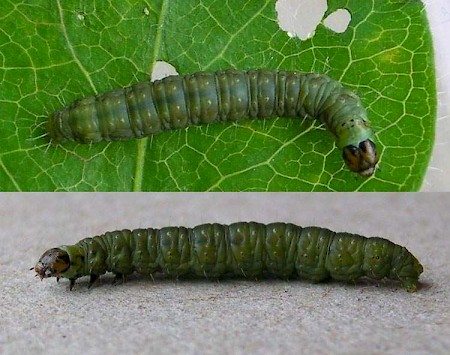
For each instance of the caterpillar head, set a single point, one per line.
(361, 159)
(52, 263)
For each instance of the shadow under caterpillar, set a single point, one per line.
(177, 101)
(247, 249)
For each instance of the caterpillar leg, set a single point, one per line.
(411, 286)
(118, 277)
(410, 283)
(92, 280)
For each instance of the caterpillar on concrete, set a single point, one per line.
(175, 102)
(246, 249)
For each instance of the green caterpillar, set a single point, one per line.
(246, 249)
(175, 102)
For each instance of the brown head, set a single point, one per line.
(361, 159)
(52, 263)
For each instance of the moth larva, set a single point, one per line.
(248, 249)
(175, 102)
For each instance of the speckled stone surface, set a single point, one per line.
(231, 316)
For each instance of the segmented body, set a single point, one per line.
(248, 249)
(176, 102)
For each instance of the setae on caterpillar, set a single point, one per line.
(176, 101)
(246, 249)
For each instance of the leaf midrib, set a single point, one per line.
(142, 143)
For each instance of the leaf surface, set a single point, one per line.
(55, 52)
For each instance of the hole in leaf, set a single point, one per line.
(162, 69)
(338, 21)
(300, 17)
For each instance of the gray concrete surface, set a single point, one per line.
(231, 316)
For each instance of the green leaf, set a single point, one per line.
(53, 52)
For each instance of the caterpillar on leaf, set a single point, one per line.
(177, 101)
(247, 249)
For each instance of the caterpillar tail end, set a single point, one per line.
(54, 128)
(52, 263)
(411, 281)
(361, 159)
